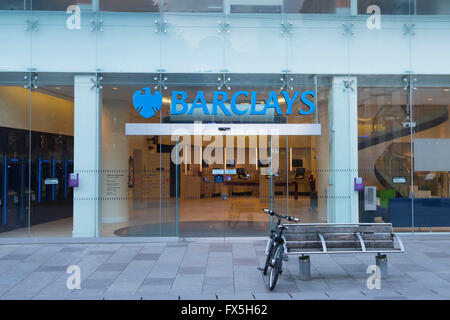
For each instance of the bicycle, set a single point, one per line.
(275, 248)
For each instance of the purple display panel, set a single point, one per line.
(73, 180)
(359, 184)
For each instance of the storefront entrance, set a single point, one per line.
(216, 185)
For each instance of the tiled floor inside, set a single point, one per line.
(212, 269)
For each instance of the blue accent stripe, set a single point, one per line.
(53, 175)
(22, 169)
(39, 179)
(65, 178)
(5, 187)
(176, 192)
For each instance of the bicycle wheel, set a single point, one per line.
(269, 257)
(275, 266)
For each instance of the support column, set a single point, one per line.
(87, 148)
(342, 204)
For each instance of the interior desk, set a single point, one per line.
(252, 183)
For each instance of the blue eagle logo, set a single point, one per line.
(146, 103)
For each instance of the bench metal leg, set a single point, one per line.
(381, 261)
(305, 268)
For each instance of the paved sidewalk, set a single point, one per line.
(213, 270)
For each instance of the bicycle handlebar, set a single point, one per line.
(288, 218)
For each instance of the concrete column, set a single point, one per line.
(342, 205)
(114, 178)
(87, 147)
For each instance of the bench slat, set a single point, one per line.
(339, 244)
(331, 237)
(324, 229)
(338, 250)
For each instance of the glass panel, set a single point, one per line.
(431, 184)
(52, 143)
(139, 189)
(246, 48)
(140, 57)
(247, 172)
(189, 45)
(15, 194)
(75, 47)
(384, 150)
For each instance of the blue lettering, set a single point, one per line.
(220, 98)
(253, 107)
(289, 101)
(220, 103)
(175, 101)
(233, 102)
(274, 99)
(200, 97)
(308, 103)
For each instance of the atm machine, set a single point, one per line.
(54, 197)
(45, 186)
(61, 170)
(13, 210)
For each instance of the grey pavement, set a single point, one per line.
(214, 269)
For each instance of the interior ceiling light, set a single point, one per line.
(115, 88)
(446, 90)
(58, 88)
(430, 99)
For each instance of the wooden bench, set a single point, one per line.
(326, 238)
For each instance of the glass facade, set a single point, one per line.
(69, 70)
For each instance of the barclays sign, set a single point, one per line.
(148, 104)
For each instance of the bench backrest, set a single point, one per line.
(339, 236)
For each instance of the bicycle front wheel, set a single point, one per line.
(270, 252)
(275, 266)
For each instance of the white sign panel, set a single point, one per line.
(248, 129)
(432, 154)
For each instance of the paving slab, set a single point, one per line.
(211, 269)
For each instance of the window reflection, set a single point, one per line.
(400, 7)
(317, 6)
(56, 5)
(262, 6)
(12, 5)
(129, 5)
(433, 7)
(407, 7)
(193, 6)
